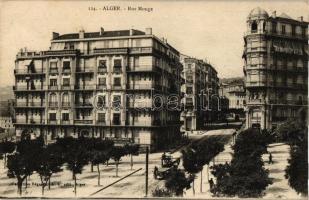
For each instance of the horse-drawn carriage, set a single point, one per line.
(167, 163)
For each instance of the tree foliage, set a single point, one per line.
(297, 170)
(245, 176)
(6, 147)
(50, 160)
(177, 181)
(116, 153)
(76, 155)
(132, 149)
(24, 161)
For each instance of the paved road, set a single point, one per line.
(135, 184)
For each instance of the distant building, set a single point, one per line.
(234, 91)
(200, 81)
(276, 68)
(122, 71)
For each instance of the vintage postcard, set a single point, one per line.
(154, 99)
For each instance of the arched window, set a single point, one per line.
(65, 99)
(254, 27)
(53, 97)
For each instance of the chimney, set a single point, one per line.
(148, 31)
(131, 32)
(274, 14)
(101, 31)
(81, 34)
(301, 18)
(55, 35)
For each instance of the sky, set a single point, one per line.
(211, 30)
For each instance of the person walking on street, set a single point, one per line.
(270, 158)
(211, 184)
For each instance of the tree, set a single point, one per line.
(297, 170)
(207, 150)
(116, 153)
(245, 176)
(177, 181)
(23, 162)
(100, 153)
(191, 163)
(6, 147)
(132, 149)
(50, 162)
(76, 155)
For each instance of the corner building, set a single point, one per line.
(200, 81)
(276, 68)
(94, 84)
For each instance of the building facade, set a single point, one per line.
(200, 80)
(276, 67)
(99, 84)
(234, 91)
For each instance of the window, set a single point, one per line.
(303, 32)
(117, 63)
(293, 30)
(102, 81)
(53, 98)
(106, 44)
(116, 101)
(117, 81)
(136, 61)
(121, 43)
(102, 63)
(274, 27)
(66, 64)
(52, 116)
(101, 101)
(189, 90)
(101, 117)
(53, 82)
(65, 98)
(66, 81)
(254, 27)
(138, 42)
(189, 66)
(189, 78)
(65, 116)
(283, 29)
(53, 66)
(116, 119)
(71, 45)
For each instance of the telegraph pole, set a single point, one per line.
(146, 174)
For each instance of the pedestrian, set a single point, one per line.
(270, 159)
(211, 184)
(163, 157)
(155, 172)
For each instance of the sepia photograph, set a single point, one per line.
(154, 99)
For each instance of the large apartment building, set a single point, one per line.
(99, 84)
(200, 80)
(276, 68)
(234, 91)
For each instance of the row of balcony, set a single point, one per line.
(277, 101)
(33, 54)
(278, 84)
(88, 122)
(115, 69)
(277, 68)
(74, 52)
(146, 86)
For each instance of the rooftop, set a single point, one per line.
(118, 33)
